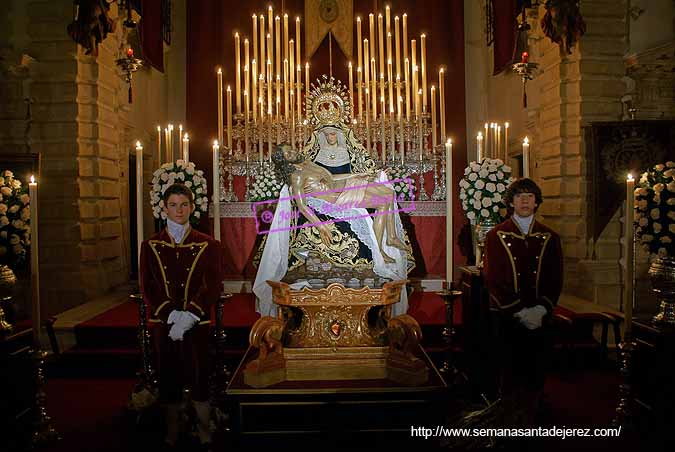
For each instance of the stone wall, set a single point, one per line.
(84, 129)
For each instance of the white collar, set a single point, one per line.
(176, 231)
(523, 222)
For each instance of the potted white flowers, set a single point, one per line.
(179, 172)
(405, 190)
(655, 230)
(481, 191)
(265, 187)
(14, 221)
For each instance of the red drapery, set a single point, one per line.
(151, 33)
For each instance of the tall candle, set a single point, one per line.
(628, 243)
(139, 198)
(306, 80)
(270, 77)
(216, 190)
(499, 141)
(159, 145)
(291, 65)
(180, 138)
(286, 106)
(34, 259)
(359, 50)
(384, 136)
(373, 91)
(253, 94)
(270, 25)
(254, 18)
(387, 19)
(247, 70)
(292, 119)
(359, 81)
(298, 56)
(173, 157)
(405, 36)
(433, 118)
(506, 141)
(414, 69)
(246, 123)
(380, 29)
(526, 157)
(186, 148)
(277, 39)
(351, 91)
(298, 92)
(285, 36)
(367, 119)
(441, 99)
(366, 69)
(237, 60)
(406, 74)
(220, 106)
(397, 38)
(262, 59)
(390, 81)
(449, 233)
(166, 144)
(229, 120)
(487, 140)
(390, 57)
(371, 36)
(418, 106)
(423, 47)
(479, 148)
(400, 131)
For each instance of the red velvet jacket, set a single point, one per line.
(186, 276)
(520, 270)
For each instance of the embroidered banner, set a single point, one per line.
(336, 16)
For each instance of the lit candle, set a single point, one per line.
(359, 50)
(449, 233)
(366, 69)
(285, 36)
(423, 46)
(441, 100)
(506, 141)
(526, 157)
(180, 138)
(269, 75)
(479, 148)
(255, 39)
(367, 120)
(292, 119)
(390, 57)
(186, 148)
(237, 59)
(246, 123)
(291, 65)
(380, 29)
(262, 47)
(413, 69)
(359, 80)
(298, 92)
(351, 91)
(166, 144)
(373, 91)
(139, 198)
(35, 259)
(405, 37)
(371, 35)
(499, 141)
(247, 88)
(277, 34)
(220, 107)
(298, 57)
(159, 145)
(397, 38)
(229, 119)
(400, 130)
(628, 234)
(418, 106)
(306, 80)
(406, 76)
(387, 19)
(384, 136)
(270, 24)
(216, 190)
(433, 118)
(286, 106)
(173, 157)
(253, 96)
(390, 81)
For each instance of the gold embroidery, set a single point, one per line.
(203, 246)
(546, 236)
(501, 236)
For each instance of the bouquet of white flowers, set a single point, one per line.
(655, 209)
(14, 220)
(266, 186)
(402, 187)
(482, 189)
(179, 172)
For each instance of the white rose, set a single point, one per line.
(14, 209)
(671, 214)
(654, 213)
(16, 183)
(199, 190)
(671, 186)
(471, 190)
(467, 170)
(496, 197)
(671, 228)
(3, 209)
(163, 215)
(190, 170)
(484, 213)
(659, 167)
(180, 162)
(14, 239)
(3, 234)
(487, 202)
(492, 168)
(188, 184)
(642, 191)
(665, 239)
(642, 204)
(164, 177)
(471, 215)
(492, 177)
(657, 227)
(167, 165)
(506, 169)
(8, 173)
(483, 173)
(6, 191)
(25, 199)
(500, 175)
(480, 184)
(200, 173)
(473, 177)
(156, 187)
(495, 208)
(477, 195)
(643, 222)
(462, 196)
(657, 198)
(161, 203)
(671, 202)
(501, 187)
(25, 213)
(475, 167)
(490, 187)
(2, 181)
(197, 213)
(647, 238)
(670, 164)
(463, 183)
(658, 188)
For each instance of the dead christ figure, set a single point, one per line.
(306, 178)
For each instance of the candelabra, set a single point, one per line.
(129, 65)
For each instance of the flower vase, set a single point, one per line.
(484, 226)
(662, 277)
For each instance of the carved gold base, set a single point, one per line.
(406, 371)
(262, 373)
(344, 363)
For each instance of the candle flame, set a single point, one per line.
(306, 65)
(506, 125)
(285, 16)
(297, 18)
(526, 141)
(423, 35)
(630, 178)
(32, 179)
(449, 141)
(215, 143)
(236, 34)
(159, 128)
(379, 16)
(228, 88)
(138, 145)
(350, 65)
(220, 71)
(480, 135)
(186, 137)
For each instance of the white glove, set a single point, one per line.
(182, 321)
(530, 318)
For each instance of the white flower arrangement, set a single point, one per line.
(266, 186)
(14, 220)
(179, 172)
(402, 187)
(482, 189)
(655, 210)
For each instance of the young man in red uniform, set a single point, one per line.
(181, 279)
(523, 271)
